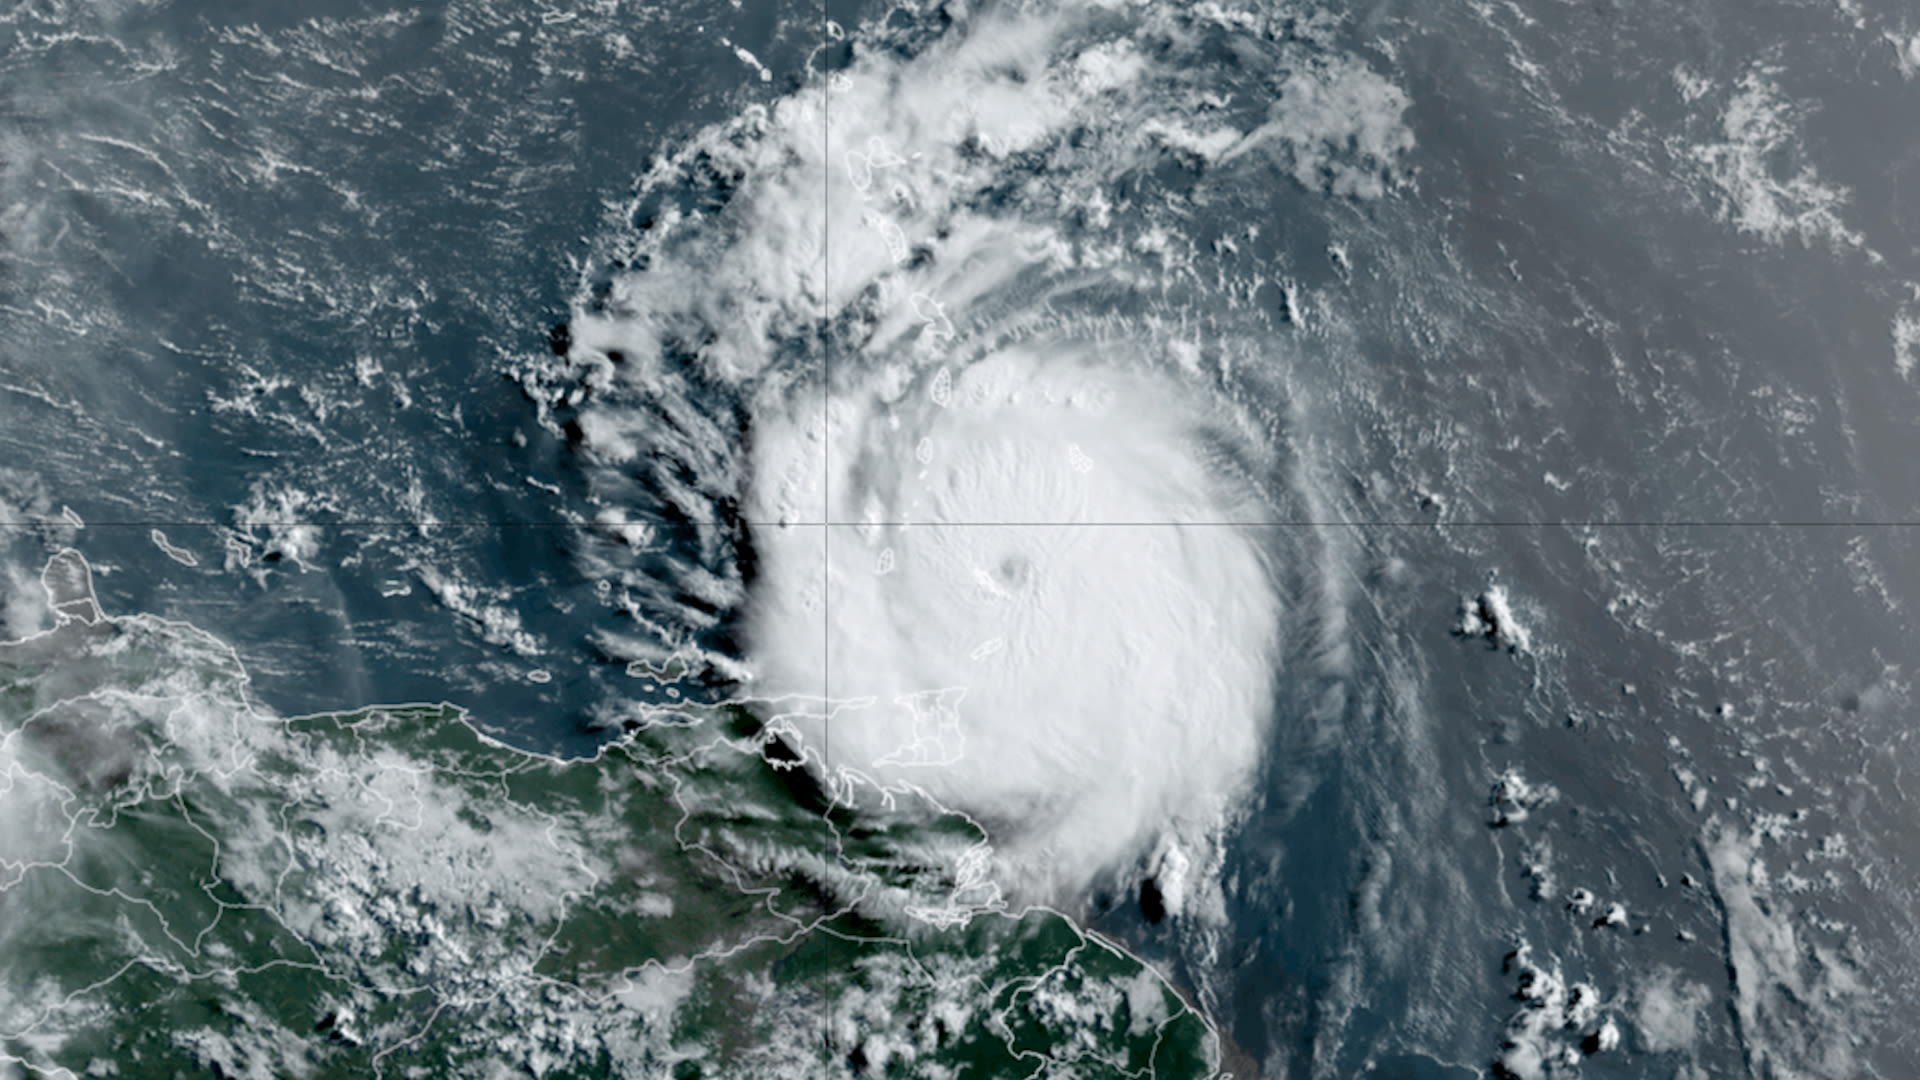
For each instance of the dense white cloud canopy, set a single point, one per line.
(998, 505)
(1034, 603)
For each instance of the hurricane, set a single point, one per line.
(958, 538)
(1054, 624)
(992, 520)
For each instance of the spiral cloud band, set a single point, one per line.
(995, 504)
(1029, 601)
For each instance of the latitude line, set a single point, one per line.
(1335, 523)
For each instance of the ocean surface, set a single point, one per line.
(1401, 519)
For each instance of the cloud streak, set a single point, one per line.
(884, 345)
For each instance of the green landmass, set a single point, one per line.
(191, 886)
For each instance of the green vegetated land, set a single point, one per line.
(190, 886)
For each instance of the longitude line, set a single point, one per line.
(826, 467)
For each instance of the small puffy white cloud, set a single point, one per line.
(1490, 616)
(277, 522)
(1906, 334)
(1761, 174)
(1338, 129)
(24, 610)
(1668, 1011)
(1514, 798)
(498, 624)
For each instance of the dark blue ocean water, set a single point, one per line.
(1623, 337)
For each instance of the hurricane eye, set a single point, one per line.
(1015, 571)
